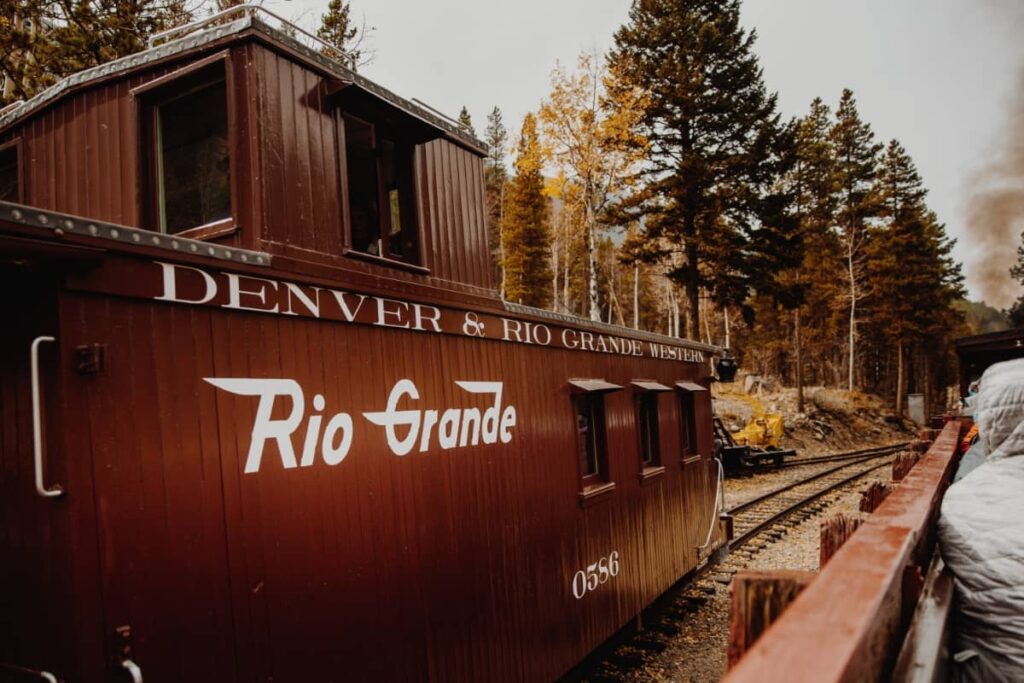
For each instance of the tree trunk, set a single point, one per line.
(554, 276)
(595, 310)
(799, 362)
(692, 292)
(501, 238)
(725, 316)
(853, 318)
(707, 322)
(636, 296)
(900, 388)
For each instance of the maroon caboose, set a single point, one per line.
(263, 415)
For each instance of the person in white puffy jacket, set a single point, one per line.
(981, 535)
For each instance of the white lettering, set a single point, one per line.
(235, 293)
(383, 313)
(265, 428)
(312, 303)
(419, 316)
(349, 314)
(392, 417)
(170, 279)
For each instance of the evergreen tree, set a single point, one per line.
(525, 233)
(495, 179)
(466, 122)
(707, 123)
(339, 31)
(815, 183)
(914, 279)
(1016, 311)
(46, 41)
(856, 168)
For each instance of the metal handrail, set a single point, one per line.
(245, 10)
(133, 670)
(37, 428)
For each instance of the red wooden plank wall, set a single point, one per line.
(442, 565)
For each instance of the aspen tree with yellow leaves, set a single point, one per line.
(591, 141)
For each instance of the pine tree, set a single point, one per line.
(525, 232)
(495, 179)
(338, 30)
(707, 122)
(856, 168)
(914, 280)
(815, 185)
(466, 122)
(46, 41)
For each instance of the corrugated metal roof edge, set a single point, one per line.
(77, 225)
(612, 329)
(13, 114)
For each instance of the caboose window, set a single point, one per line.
(687, 417)
(381, 200)
(645, 397)
(647, 425)
(9, 185)
(193, 175)
(590, 435)
(591, 439)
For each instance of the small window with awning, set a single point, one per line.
(686, 393)
(591, 438)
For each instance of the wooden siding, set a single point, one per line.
(83, 157)
(445, 565)
(299, 168)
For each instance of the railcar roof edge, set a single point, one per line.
(139, 237)
(123, 234)
(239, 28)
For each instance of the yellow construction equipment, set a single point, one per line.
(764, 429)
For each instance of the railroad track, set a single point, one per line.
(846, 455)
(757, 515)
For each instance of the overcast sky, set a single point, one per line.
(939, 75)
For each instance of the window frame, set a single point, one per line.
(416, 265)
(148, 98)
(15, 143)
(686, 405)
(648, 392)
(596, 486)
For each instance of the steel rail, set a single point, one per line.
(836, 457)
(747, 535)
(806, 480)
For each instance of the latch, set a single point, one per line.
(92, 358)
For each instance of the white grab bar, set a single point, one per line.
(37, 429)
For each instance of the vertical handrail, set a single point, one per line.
(37, 428)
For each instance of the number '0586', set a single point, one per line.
(595, 574)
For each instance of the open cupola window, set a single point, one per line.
(380, 172)
(189, 151)
(378, 141)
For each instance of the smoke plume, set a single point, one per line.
(995, 214)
